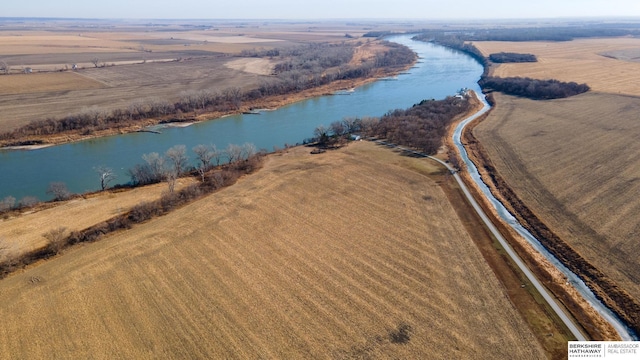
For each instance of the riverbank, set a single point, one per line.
(269, 102)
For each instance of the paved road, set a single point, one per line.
(516, 259)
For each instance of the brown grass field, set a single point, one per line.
(46, 82)
(269, 269)
(574, 162)
(21, 233)
(583, 61)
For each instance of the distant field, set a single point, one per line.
(372, 263)
(575, 162)
(120, 87)
(206, 53)
(31, 83)
(581, 61)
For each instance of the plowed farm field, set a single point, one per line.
(354, 253)
(600, 63)
(25, 232)
(575, 163)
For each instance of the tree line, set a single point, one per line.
(510, 57)
(422, 126)
(299, 68)
(533, 88)
(57, 239)
(155, 168)
(550, 33)
(519, 86)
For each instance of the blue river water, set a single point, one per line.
(440, 72)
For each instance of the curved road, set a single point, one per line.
(566, 319)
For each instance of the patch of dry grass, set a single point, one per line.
(348, 254)
(31, 83)
(253, 66)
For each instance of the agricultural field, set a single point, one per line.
(373, 263)
(575, 163)
(121, 63)
(600, 63)
(25, 232)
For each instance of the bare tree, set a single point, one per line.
(189, 99)
(5, 68)
(93, 113)
(203, 98)
(95, 61)
(59, 191)
(177, 159)
(161, 106)
(217, 154)
(322, 134)
(155, 162)
(217, 179)
(453, 159)
(171, 177)
(106, 176)
(233, 95)
(351, 124)
(56, 239)
(7, 203)
(248, 150)
(234, 153)
(28, 201)
(138, 109)
(204, 154)
(338, 128)
(368, 125)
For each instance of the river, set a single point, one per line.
(440, 72)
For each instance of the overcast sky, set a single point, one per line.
(318, 9)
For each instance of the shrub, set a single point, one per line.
(401, 335)
(56, 240)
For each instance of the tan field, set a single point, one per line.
(583, 61)
(44, 82)
(373, 262)
(24, 232)
(574, 163)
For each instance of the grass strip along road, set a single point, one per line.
(566, 319)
